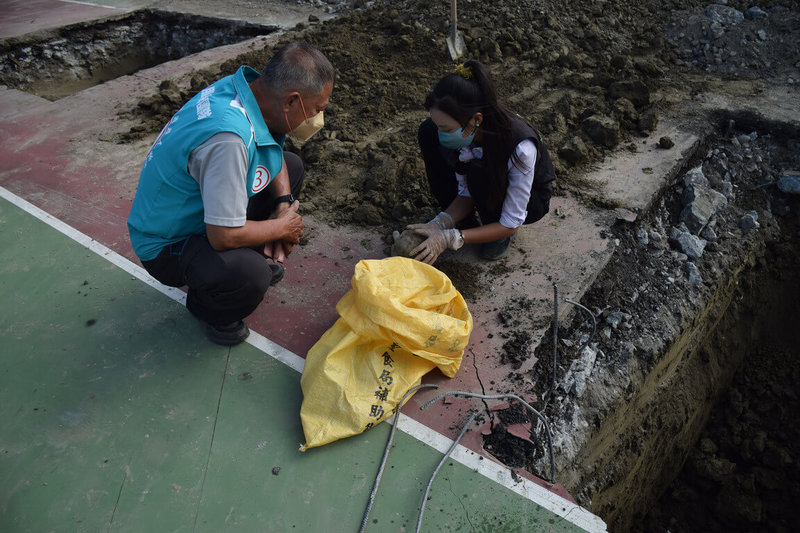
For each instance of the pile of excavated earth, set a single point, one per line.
(692, 289)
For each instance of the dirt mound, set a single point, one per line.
(753, 43)
(590, 75)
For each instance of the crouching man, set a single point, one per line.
(216, 207)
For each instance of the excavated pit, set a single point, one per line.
(686, 299)
(742, 474)
(60, 62)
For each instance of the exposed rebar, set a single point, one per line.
(436, 470)
(386, 454)
(594, 322)
(555, 339)
(505, 397)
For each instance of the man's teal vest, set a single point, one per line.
(168, 206)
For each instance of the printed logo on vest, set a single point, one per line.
(204, 103)
(261, 179)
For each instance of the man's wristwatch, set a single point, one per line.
(285, 198)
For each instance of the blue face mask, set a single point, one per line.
(454, 139)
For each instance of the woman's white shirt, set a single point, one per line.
(520, 181)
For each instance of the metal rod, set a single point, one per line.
(386, 454)
(436, 471)
(555, 339)
(505, 397)
(594, 322)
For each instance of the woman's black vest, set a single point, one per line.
(479, 173)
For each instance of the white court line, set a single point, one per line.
(499, 474)
(93, 4)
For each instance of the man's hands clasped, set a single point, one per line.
(291, 231)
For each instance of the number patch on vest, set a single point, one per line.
(261, 179)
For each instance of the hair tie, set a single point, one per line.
(464, 72)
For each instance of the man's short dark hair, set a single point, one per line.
(298, 67)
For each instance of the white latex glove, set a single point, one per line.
(438, 240)
(440, 221)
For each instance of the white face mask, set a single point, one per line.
(308, 128)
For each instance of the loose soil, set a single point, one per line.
(557, 65)
(592, 76)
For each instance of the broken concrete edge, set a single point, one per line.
(621, 168)
(284, 17)
(179, 70)
(691, 152)
(748, 119)
(774, 109)
(598, 421)
(20, 26)
(145, 83)
(635, 181)
(122, 15)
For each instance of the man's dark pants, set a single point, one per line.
(224, 287)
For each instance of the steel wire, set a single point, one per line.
(436, 470)
(386, 454)
(594, 322)
(506, 397)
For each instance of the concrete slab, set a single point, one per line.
(633, 177)
(769, 104)
(26, 16)
(282, 13)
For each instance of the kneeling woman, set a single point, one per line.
(479, 156)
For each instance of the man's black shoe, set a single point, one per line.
(227, 335)
(277, 273)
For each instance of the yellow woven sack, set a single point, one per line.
(401, 319)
